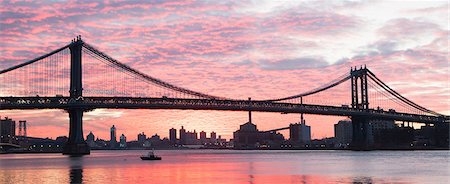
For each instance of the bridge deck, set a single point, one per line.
(89, 103)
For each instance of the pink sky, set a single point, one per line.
(262, 49)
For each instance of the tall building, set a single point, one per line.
(123, 141)
(113, 140)
(141, 137)
(182, 135)
(343, 132)
(90, 137)
(213, 136)
(300, 132)
(7, 130)
(90, 140)
(191, 137)
(173, 135)
(202, 137)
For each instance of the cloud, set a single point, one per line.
(264, 50)
(294, 64)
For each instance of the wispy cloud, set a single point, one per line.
(263, 49)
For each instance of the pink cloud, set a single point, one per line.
(216, 49)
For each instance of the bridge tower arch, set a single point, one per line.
(76, 145)
(361, 139)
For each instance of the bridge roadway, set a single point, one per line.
(90, 103)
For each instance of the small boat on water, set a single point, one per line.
(150, 156)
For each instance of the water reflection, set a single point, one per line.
(214, 166)
(362, 180)
(76, 169)
(250, 170)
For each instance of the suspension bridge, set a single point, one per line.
(79, 77)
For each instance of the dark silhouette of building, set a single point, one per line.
(90, 140)
(141, 137)
(203, 137)
(182, 135)
(173, 136)
(343, 133)
(213, 136)
(300, 133)
(61, 139)
(248, 137)
(436, 136)
(191, 137)
(123, 141)
(7, 130)
(90, 137)
(113, 140)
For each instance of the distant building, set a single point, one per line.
(141, 137)
(300, 132)
(90, 140)
(90, 137)
(378, 127)
(213, 136)
(343, 133)
(202, 137)
(173, 136)
(123, 141)
(182, 135)
(191, 138)
(7, 130)
(113, 140)
(248, 137)
(155, 137)
(61, 139)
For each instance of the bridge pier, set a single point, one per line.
(362, 139)
(75, 144)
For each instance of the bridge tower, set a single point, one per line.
(75, 144)
(361, 139)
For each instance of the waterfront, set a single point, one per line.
(229, 166)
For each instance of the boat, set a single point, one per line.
(150, 156)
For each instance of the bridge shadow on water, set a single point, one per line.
(76, 169)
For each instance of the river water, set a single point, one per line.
(229, 166)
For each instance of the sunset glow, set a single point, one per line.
(258, 49)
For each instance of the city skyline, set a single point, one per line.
(259, 70)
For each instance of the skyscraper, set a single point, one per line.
(7, 130)
(182, 135)
(173, 135)
(202, 137)
(113, 141)
(213, 136)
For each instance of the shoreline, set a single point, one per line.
(334, 149)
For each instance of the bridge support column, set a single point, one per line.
(75, 144)
(362, 139)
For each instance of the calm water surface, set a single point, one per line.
(229, 166)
